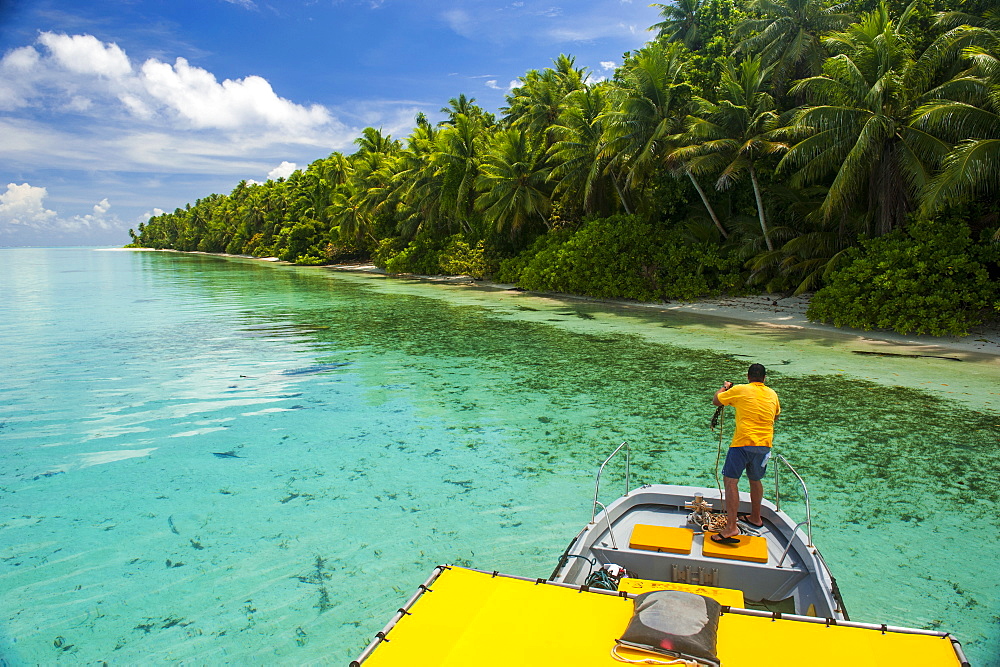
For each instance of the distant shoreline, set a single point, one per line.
(768, 310)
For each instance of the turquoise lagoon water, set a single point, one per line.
(373, 428)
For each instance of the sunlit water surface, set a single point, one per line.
(371, 429)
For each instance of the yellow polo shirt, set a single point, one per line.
(757, 407)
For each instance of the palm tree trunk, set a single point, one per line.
(760, 208)
(621, 195)
(708, 206)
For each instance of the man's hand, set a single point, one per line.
(725, 387)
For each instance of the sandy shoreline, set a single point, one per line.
(769, 310)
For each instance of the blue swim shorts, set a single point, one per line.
(751, 459)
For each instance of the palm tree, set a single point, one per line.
(649, 106)
(972, 118)
(349, 214)
(537, 102)
(372, 141)
(513, 183)
(679, 24)
(787, 37)
(456, 159)
(416, 183)
(459, 105)
(579, 170)
(463, 106)
(811, 248)
(735, 134)
(858, 128)
(370, 195)
(977, 13)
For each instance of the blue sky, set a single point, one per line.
(111, 111)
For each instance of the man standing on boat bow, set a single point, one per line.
(757, 408)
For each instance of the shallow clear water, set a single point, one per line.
(374, 428)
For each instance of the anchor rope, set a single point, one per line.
(706, 518)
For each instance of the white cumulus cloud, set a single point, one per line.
(283, 170)
(22, 205)
(85, 54)
(87, 105)
(195, 95)
(15, 70)
(609, 64)
(80, 73)
(23, 211)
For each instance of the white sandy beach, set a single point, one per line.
(775, 310)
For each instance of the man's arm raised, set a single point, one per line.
(726, 386)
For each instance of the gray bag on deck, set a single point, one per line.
(676, 624)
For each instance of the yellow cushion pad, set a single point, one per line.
(661, 538)
(750, 548)
(726, 596)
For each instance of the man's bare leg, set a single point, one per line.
(733, 506)
(756, 496)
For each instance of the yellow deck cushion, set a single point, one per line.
(725, 596)
(750, 548)
(472, 618)
(661, 538)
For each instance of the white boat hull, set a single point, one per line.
(794, 579)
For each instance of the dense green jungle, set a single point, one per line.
(850, 149)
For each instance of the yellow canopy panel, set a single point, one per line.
(473, 618)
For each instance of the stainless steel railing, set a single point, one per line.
(777, 503)
(597, 485)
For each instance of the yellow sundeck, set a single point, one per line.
(463, 617)
(638, 569)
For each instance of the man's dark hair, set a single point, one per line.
(756, 373)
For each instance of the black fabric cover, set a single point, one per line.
(675, 623)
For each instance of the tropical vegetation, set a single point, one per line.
(848, 149)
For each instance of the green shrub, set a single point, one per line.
(458, 258)
(235, 246)
(511, 268)
(693, 270)
(385, 250)
(625, 257)
(301, 240)
(343, 250)
(929, 278)
(428, 256)
(421, 255)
